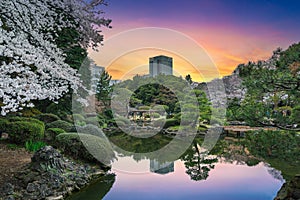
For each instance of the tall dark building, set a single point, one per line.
(160, 65)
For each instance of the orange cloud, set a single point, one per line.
(227, 47)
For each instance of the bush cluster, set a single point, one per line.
(283, 145)
(66, 126)
(51, 133)
(73, 144)
(171, 122)
(47, 117)
(21, 129)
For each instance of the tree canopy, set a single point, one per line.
(273, 90)
(33, 51)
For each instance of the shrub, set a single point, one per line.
(78, 117)
(283, 145)
(122, 119)
(93, 120)
(159, 122)
(34, 146)
(25, 119)
(51, 133)
(171, 122)
(144, 108)
(61, 109)
(120, 123)
(68, 127)
(80, 123)
(91, 129)
(72, 144)
(155, 115)
(21, 131)
(30, 112)
(3, 124)
(47, 117)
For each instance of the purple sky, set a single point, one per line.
(232, 32)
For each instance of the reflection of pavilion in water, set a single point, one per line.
(161, 168)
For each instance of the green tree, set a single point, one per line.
(273, 90)
(104, 89)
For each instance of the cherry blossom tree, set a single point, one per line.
(32, 67)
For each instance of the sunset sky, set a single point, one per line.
(231, 32)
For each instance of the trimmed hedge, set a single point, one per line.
(122, 119)
(51, 133)
(171, 122)
(92, 130)
(72, 144)
(144, 108)
(78, 117)
(30, 112)
(68, 127)
(93, 120)
(155, 115)
(33, 120)
(47, 117)
(3, 124)
(21, 131)
(159, 122)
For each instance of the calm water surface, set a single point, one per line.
(149, 179)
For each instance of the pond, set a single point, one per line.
(190, 177)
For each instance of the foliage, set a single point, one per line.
(78, 117)
(283, 145)
(104, 89)
(159, 90)
(171, 122)
(144, 108)
(51, 133)
(159, 122)
(30, 112)
(120, 99)
(33, 63)
(122, 119)
(204, 106)
(34, 146)
(72, 144)
(3, 124)
(92, 120)
(273, 90)
(20, 131)
(66, 126)
(61, 108)
(234, 111)
(296, 114)
(155, 115)
(91, 129)
(47, 117)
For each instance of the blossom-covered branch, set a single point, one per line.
(32, 67)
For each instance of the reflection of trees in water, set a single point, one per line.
(96, 190)
(198, 163)
(276, 174)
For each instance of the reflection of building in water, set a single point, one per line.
(161, 168)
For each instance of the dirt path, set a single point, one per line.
(11, 161)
